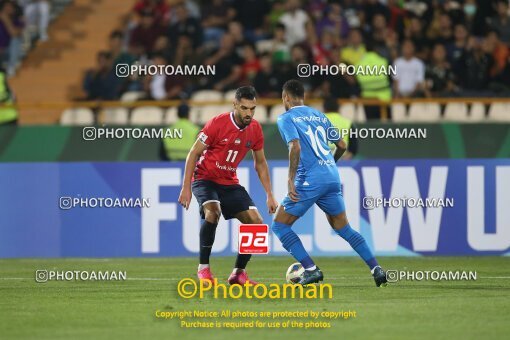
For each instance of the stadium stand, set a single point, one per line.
(456, 53)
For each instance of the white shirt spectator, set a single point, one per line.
(157, 87)
(409, 73)
(295, 26)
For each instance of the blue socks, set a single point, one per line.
(292, 244)
(359, 244)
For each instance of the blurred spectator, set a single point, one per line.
(102, 82)
(278, 47)
(146, 32)
(254, 16)
(184, 53)
(216, 15)
(15, 46)
(343, 124)
(373, 7)
(355, 50)
(159, 8)
(385, 40)
(502, 81)
(37, 16)
(439, 78)
(235, 29)
(8, 115)
(441, 29)
(251, 65)
(227, 62)
(416, 32)
(410, 73)
(276, 12)
(499, 52)
(374, 86)
(474, 69)
(268, 81)
(161, 86)
(176, 149)
(295, 20)
(501, 22)
(116, 45)
(185, 25)
(333, 21)
(10, 30)
(192, 7)
(470, 11)
(457, 48)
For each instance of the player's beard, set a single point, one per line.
(247, 120)
(244, 121)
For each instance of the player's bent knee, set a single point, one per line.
(212, 215)
(257, 219)
(278, 228)
(339, 221)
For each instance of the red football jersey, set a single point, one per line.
(227, 145)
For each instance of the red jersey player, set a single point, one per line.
(210, 172)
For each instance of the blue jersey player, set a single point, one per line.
(314, 179)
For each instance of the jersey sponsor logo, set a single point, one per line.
(202, 137)
(225, 167)
(253, 239)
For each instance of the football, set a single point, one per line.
(294, 272)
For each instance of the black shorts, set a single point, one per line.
(232, 198)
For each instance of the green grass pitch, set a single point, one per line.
(126, 309)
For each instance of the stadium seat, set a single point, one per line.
(229, 96)
(360, 116)
(477, 112)
(170, 116)
(261, 114)
(275, 111)
(456, 112)
(77, 116)
(318, 106)
(425, 112)
(348, 110)
(194, 114)
(399, 113)
(207, 95)
(132, 96)
(147, 115)
(499, 112)
(115, 116)
(210, 111)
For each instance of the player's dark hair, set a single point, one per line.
(294, 88)
(246, 92)
(330, 104)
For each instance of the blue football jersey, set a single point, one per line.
(313, 129)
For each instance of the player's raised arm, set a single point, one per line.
(294, 156)
(196, 150)
(263, 173)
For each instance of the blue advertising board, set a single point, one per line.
(66, 209)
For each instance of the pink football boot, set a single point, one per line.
(240, 279)
(206, 276)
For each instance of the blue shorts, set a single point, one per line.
(327, 196)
